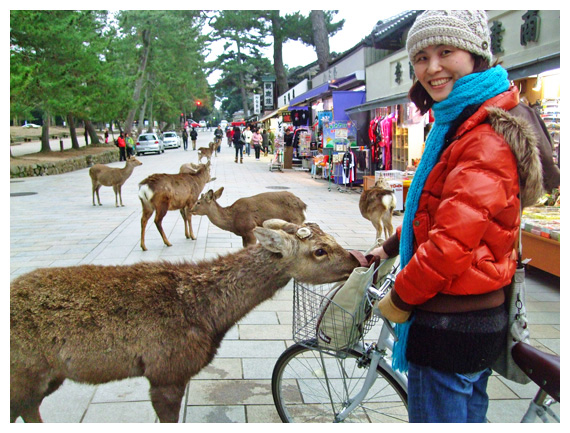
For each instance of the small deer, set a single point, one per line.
(163, 192)
(164, 321)
(206, 152)
(102, 175)
(246, 213)
(377, 205)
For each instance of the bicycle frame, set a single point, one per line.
(378, 355)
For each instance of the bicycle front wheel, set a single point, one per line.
(311, 386)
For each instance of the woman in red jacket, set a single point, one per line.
(456, 243)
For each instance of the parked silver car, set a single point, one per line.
(171, 140)
(149, 142)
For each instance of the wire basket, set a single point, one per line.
(342, 327)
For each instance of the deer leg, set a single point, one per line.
(249, 239)
(146, 214)
(160, 213)
(120, 195)
(387, 222)
(187, 218)
(166, 400)
(96, 191)
(116, 191)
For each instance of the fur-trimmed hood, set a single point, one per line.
(522, 139)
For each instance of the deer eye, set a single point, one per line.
(320, 252)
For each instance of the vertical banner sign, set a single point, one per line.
(256, 104)
(268, 96)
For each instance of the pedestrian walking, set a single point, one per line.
(256, 140)
(229, 136)
(86, 134)
(106, 136)
(457, 240)
(272, 141)
(185, 138)
(265, 141)
(122, 147)
(238, 144)
(218, 136)
(130, 144)
(193, 137)
(247, 139)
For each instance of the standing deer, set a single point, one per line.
(163, 192)
(164, 321)
(102, 175)
(249, 212)
(377, 205)
(206, 152)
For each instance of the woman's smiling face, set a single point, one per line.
(438, 67)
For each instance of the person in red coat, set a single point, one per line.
(122, 147)
(480, 165)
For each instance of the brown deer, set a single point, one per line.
(102, 175)
(163, 192)
(206, 152)
(164, 321)
(249, 212)
(377, 205)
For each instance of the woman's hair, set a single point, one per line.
(421, 98)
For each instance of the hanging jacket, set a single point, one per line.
(468, 215)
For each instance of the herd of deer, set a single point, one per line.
(164, 321)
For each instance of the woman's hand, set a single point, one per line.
(379, 252)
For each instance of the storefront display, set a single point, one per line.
(541, 237)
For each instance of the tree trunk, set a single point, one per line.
(72, 131)
(140, 80)
(142, 113)
(92, 133)
(321, 38)
(242, 84)
(45, 133)
(280, 75)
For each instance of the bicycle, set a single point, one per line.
(313, 382)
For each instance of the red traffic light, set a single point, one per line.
(198, 102)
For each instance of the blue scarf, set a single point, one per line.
(471, 89)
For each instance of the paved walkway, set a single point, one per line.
(55, 224)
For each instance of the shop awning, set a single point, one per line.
(357, 77)
(269, 115)
(400, 98)
(323, 88)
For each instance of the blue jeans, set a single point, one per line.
(247, 148)
(438, 396)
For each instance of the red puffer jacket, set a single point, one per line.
(469, 211)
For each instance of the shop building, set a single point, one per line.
(360, 104)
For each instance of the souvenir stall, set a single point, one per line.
(541, 237)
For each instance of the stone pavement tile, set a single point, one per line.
(260, 318)
(132, 389)
(523, 391)
(126, 412)
(251, 349)
(214, 414)
(221, 368)
(498, 390)
(229, 392)
(264, 332)
(258, 368)
(68, 404)
(262, 414)
(544, 331)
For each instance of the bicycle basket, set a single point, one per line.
(332, 317)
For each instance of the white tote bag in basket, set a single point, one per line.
(342, 311)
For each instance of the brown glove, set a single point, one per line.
(390, 311)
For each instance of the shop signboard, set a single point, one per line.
(339, 135)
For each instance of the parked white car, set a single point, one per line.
(149, 143)
(171, 140)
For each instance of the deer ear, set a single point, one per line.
(276, 241)
(209, 195)
(218, 193)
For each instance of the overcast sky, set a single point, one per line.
(359, 22)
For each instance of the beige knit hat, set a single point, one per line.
(467, 30)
